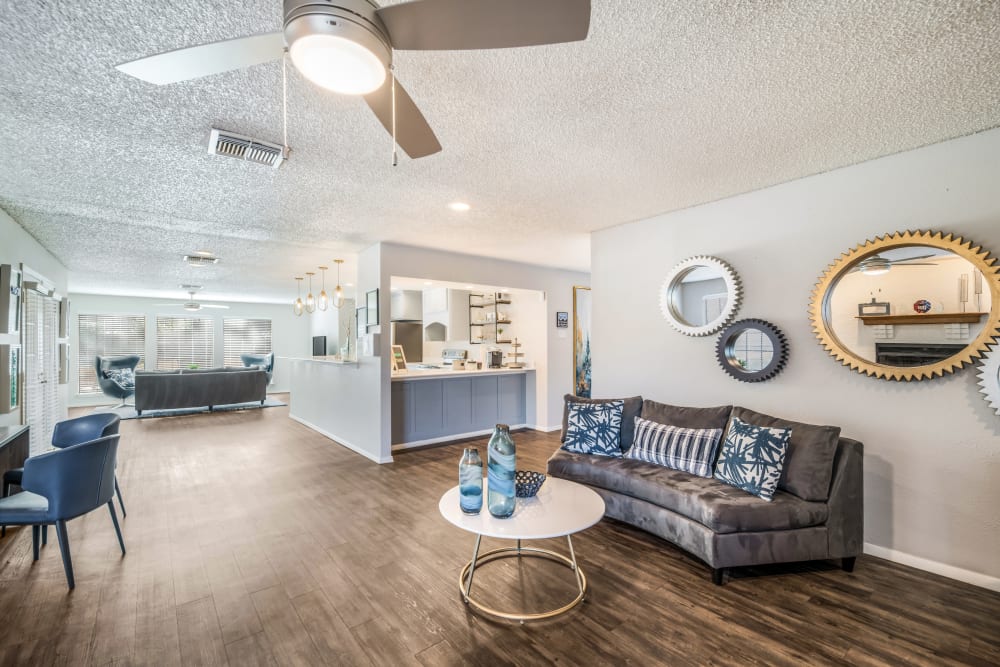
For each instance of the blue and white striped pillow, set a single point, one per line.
(688, 449)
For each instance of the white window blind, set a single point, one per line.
(183, 342)
(244, 336)
(108, 336)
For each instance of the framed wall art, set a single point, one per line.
(581, 341)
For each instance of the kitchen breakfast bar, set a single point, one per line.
(344, 401)
(430, 406)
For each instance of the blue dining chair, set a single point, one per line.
(72, 432)
(62, 485)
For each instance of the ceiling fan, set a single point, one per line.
(346, 46)
(191, 306)
(877, 265)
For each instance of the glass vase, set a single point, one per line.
(470, 481)
(502, 462)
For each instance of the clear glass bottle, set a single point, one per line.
(470, 481)
(502, 462)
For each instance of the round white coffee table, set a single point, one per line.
(560, 508)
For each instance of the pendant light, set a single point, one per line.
(297, 305)
(322, 301)
(338, 292)
(310, 299)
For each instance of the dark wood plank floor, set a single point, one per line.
(253, 540)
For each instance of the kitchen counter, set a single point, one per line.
(439, 405)
(438, 373)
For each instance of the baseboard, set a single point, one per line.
(544, 429)
(451, 438)
(340, 441)
(943, 569)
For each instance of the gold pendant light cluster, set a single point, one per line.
(312, 303)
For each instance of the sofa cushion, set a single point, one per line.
(632, 408)
(714, 504)
(809, 460)
(594, 428)
(752, 457)
(689, 449)
(677, 415)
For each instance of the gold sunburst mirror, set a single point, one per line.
(908, 306)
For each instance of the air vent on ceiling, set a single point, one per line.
(230, 144)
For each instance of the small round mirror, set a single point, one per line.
(752, 350)
(700, 295)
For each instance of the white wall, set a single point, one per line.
(290, 335)
(16, 247)
(332, 323)
(932, 449)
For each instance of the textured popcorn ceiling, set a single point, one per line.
(666, 105)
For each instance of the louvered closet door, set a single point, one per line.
(41, 368)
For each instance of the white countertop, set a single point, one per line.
(429, 373)
(323, 360)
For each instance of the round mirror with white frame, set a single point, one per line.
(989, 376)
(908, 306)
(700, 295)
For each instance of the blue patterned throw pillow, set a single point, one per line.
(687, 449)
(752, 458)
(594, 428)
(123, 377)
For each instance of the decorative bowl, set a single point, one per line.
(527, 483)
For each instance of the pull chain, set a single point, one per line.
(395, 155)
(284, 101)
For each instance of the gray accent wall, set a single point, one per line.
(932, 473)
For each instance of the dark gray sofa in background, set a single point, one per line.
(170, 390)
(816, 514)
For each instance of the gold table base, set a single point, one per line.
(468, 572)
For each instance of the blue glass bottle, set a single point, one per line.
(470, 481)
(501, 463)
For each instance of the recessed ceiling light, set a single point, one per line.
(459, 206)
(428, 282)
(470, 287)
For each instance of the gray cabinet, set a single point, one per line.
(435, 409)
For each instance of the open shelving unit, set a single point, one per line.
(483, 329)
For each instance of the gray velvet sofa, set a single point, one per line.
(170, 390)
(816, 514)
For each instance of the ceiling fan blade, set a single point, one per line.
(413, 134)
(436, 25)
(205, 305)
(198, 61)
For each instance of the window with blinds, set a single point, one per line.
(244, 336)
(183, 342)
(110, 336)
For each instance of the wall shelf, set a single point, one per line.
(927, 318)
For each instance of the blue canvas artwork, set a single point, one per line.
(581, 341)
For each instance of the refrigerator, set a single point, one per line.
(411, 336)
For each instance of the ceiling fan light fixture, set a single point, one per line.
(336, 53)
(875, 266)
(192, 307)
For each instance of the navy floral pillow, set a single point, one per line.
(752, 458)
(594, 428)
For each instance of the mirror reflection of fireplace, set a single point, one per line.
(914, 354)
